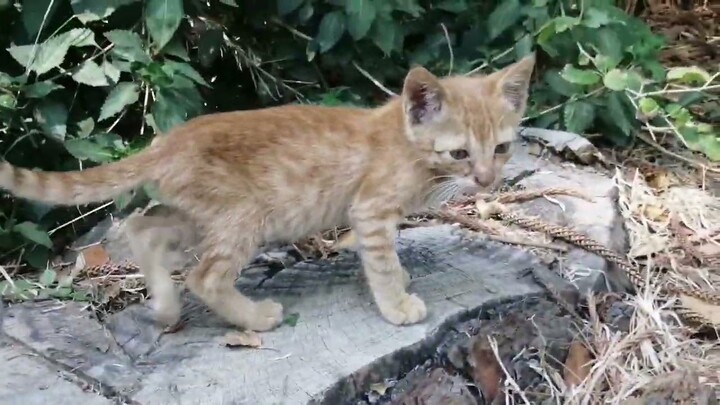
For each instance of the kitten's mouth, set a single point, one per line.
(469, 188)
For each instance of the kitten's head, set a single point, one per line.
(465, 125)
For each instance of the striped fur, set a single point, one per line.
(79, 187)
(248, 178)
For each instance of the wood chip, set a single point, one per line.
(577, 364)
(241, 339)
(95, 256)
(486, 371)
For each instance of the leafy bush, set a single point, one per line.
(85, 82)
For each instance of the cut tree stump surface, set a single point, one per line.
(338, 329)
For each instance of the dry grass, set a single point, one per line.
(659, 357)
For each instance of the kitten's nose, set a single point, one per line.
(484, 177)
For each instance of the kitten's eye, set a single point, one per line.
(459, 154)
(502, 148)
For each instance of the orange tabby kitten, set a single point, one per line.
(248, 178)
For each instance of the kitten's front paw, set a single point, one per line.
(166, 310)
(410, 309)
(266, 315)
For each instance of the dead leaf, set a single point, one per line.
(704, 312)
(486, 371)
(567, 144)
(380, 387)
(95, 256)
(241, 339)
(659, 179)
(577, 364)
(655, 213)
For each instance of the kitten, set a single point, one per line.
(247, 178)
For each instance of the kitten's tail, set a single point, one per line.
(79, 187)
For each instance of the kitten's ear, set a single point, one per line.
(513, 82)
(423, 96)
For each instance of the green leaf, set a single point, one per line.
(332, 27)
(176, 48)
(40, 89)
(286, 7)
(689, 75)
(80, 296)
(361, 14)
(87, 149)
(292, 319)
(507, 13)
(122, 95)
(635, 80)
(523, 47)
(616, 80)
(162, 19)
(707, 143)
(618, 113)
(32, 232)
(6, 80)
(579, 76)
(595, 18)
(51, 53)
(38, 257)
(85, 127)
(127, 45)
(705, 128)
(453, 6)
(8, 101)
(408, 6)
(384, 35)
(609, 43)
(91, 74)
(185, 70)
(306, 12)
(175, 105)
(93, 10)
(52, 117)
(110, 71)
(61, 292)
(20, 290)
(560, 85)
(605, 63)
(649, 107)
(209, 47)
(34, 12)
(564, 23)
(579, 116)
(47, 278)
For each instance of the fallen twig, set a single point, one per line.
(672, 154)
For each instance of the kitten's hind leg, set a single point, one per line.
(213, 281)
(150, 240)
